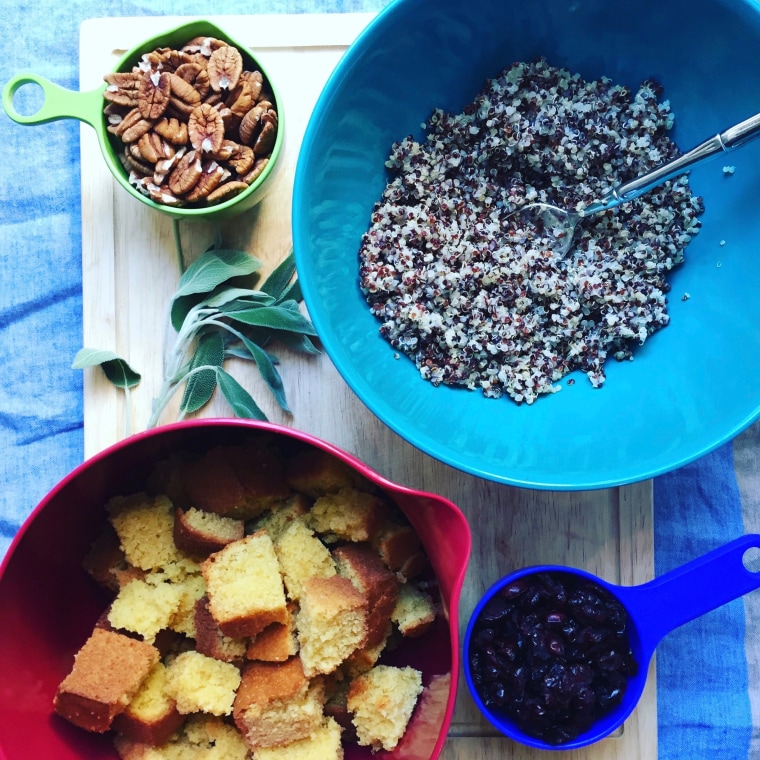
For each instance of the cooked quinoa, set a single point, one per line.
(478, 295)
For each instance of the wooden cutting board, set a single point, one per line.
(130, 273)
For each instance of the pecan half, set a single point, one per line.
(225, 66)
(153, 94)
(205, 129)
(122, 88)
(186, 173)
(226, 191)
(132, 127)
(172, 130)
(211, 177)
(154, 148)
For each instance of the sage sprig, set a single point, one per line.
(217, 315)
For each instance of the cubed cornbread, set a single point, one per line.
(315, 472)
(211, 484)
(107, 673)
(199, 533)
(106, 564)
(236, 481)
(347, 514)
(145, 526)
(277, 642)
(152, 716)
(145, 607)
(323, 744)
(260, 468)
(414, 612)
(203, 737)
(362, 565)
(201, 684)
(191, 589)
(398, 545)
(365, 658)
(331, 623)
(209, 639)
(276, 704)
(302, 555)
(245, 588)
(381, 703)
(275, 519)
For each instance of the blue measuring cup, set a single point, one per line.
(654, 610)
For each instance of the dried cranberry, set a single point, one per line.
(551, 652)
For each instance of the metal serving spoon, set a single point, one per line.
(554, 217)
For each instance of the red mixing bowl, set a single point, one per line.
(49, 604)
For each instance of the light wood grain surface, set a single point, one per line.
(130, 273)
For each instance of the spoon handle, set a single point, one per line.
(730, 138)
(699, 586)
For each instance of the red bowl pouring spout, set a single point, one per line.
(49, 604)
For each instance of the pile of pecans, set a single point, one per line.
(197, 127)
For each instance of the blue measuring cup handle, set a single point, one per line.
(689, 591)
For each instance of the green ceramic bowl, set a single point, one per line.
(60, 103)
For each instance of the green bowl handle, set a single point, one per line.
(59, 102)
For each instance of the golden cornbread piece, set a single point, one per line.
(145, 526)
(362, 565)
(199, 533)
(279, 516)
(245, 588)
(276, 704)
(107, 673)
(202, 684)
(316, 472)
(331, 623)
(414, 612)
(382, 702)
(203, 737)
(209, 639)
(323, 744)
(277, 642)
(302, 556)
(347, 514)
(152, 716)
(145, 607)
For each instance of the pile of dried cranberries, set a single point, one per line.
(551, 652)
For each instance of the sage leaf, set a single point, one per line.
(206, 274)
(201, 384)
(231, 297)
(116, 369)
(278, 280)
(295, 342)
(268, 371)
(237, 397)
(274, 317)
(293, 292)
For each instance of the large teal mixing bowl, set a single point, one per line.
(693, 385)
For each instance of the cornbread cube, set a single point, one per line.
(315, 472)
(152, 716)
(302, 556)
(331, 623)
(145, 526)
(275, 519)
(145, 607)
(361, 564)
(203, 737)
(277, 642)
(414, 612)
(107, 673)
(397, 545)
(276, 704)
(211, 484)
(106, 564)
(245, 588)
(382, 702)
(365, 658)
(260, 468)
(209, 639)
(199, 533)
(349, 514)
(323, 744)
(191, 589)
(202, 684)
